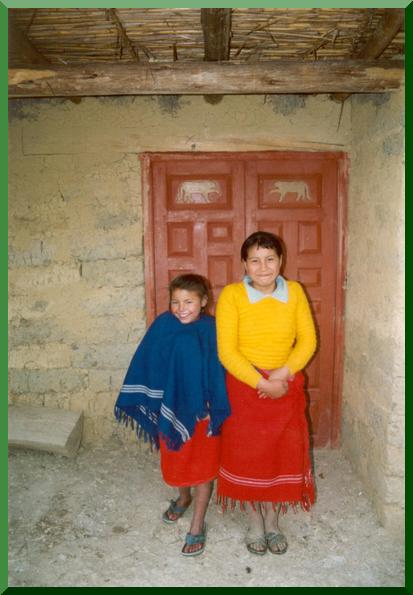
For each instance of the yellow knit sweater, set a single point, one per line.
(268, 334)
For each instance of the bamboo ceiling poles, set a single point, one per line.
(21, 49)
(122, 51)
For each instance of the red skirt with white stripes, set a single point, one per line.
(265, 448)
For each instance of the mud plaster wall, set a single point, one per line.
(373, 407)
(77, 305)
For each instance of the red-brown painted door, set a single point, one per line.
(200, 208)
(199, 222)
(295, 197)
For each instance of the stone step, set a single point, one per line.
(45, 428)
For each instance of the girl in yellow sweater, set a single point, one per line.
(266, 336)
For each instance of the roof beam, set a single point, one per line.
(113, 15)
(175, 78)
(386, 31)
(21, 49)
(216, 26)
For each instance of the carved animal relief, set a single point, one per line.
(298, 187)
(198, 192)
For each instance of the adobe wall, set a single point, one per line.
(373, 401)
(77, 299)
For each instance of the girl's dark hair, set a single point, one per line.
(262, 239)
(191, 282)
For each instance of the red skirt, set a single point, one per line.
(265, 448)
(196, 462)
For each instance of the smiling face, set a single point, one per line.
(263, 267)
(186, 305)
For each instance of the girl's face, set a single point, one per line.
(186, 305)
(263, 266)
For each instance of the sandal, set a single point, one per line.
(174, 509)
(274, 541)
(256, 543)
(195, 539)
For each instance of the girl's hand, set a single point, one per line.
(281, 374)
(273, 389)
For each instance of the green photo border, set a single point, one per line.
(3, 203)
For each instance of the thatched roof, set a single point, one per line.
(78, 37)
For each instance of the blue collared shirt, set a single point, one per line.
(280, 292)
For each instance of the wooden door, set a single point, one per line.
(199, 222)
(295, 197)
(200, 207)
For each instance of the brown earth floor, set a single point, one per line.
(95, 521)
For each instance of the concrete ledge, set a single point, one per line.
(44, 428)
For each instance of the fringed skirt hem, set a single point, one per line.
(227, 503)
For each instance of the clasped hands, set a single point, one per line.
(276, 385)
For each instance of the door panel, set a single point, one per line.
(197, 228)
(296, 199)
(201, 207)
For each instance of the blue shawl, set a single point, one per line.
(174, 380)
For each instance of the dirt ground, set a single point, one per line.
(95, 521)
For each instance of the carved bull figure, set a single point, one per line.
(297, 187)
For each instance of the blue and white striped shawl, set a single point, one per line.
(173, 380)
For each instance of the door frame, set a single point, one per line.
(149, 240)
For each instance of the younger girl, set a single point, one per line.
(175, 391)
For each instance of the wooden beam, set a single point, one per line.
(175, 78)
(113, 15)
(216, 26)
(21, 49)
(387, 29)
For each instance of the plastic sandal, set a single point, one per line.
(274, 540)
(175, 510)
(257, 545)
(194, 539)
(255, 541)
